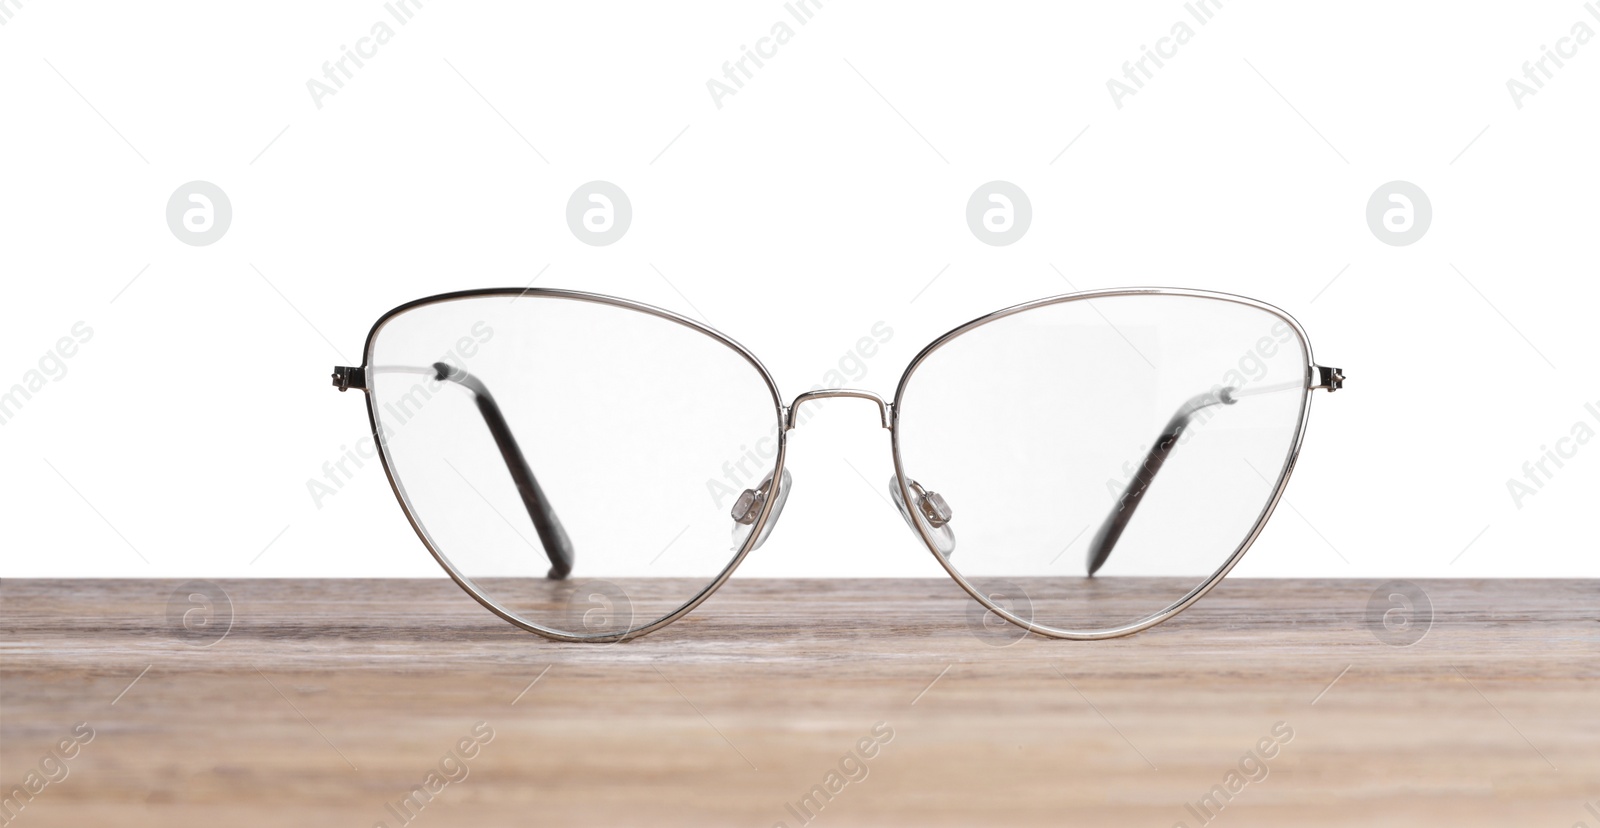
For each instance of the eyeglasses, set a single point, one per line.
(591, 469)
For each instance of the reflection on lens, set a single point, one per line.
(1106, 455)
(575, 462)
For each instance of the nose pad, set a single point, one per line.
(748, 507)
(931, 511)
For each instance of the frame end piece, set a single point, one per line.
(345, 378)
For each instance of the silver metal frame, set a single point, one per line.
(884, 409)
(889, 416)
(1195, 594)
(779, 418)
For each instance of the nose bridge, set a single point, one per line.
(884, 409)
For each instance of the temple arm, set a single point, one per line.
(1112, 527)
(554, 538)
(556, 544)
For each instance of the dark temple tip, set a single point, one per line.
(1104, 541)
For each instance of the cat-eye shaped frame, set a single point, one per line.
(600, 424)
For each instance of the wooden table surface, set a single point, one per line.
(328, 702)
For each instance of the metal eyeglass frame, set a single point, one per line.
(560, 550)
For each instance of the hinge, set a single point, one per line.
(1329, 379)
(345, 379)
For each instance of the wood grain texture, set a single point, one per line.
(328, 701)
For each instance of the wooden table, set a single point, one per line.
(328, 702)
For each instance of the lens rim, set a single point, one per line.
(599, 299)
(1216, 577)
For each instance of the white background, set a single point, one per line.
(823, 197)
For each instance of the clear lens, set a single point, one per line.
(529, 434)
(1140, 437)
